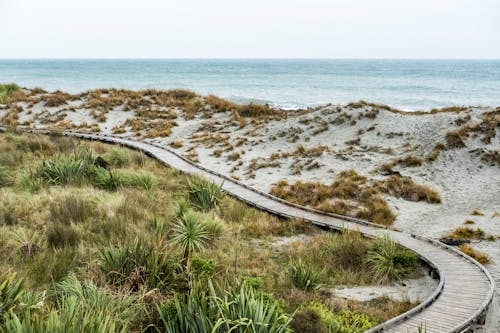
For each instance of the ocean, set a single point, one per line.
(405, 84)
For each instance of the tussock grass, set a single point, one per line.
(465, 232)
(6, 90)
(478, 255)
(350, 194)
(304, 276)
(406, 188)
(204, 194)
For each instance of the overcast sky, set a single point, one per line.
(250, 29)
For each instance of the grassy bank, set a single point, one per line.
(98, 238)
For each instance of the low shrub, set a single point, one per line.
(118, 158)
(61, 235)
(304, 276)
(202, 267)
(204, 194)
(73, 209)
(7, 89)
(406, 188)
(137, 264)
(388, 261)
(11, 289)
(467, 233)
(217, 310)
(307, 321)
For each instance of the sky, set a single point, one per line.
(250, 29)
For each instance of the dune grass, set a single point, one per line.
(113, 246)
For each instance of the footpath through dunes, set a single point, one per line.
(465, 290)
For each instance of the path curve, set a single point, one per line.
(465, 288)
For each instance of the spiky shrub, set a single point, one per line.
(190, 234)
(204, 194)
(181, 208)
(351, 322)
(142, 179)
(80, 307)
(304, 276)
(112, 180)
(61, 170)
(388, 261)
(137, 264)
(118, 158)
(11, 289)
(339, 322)
(240, 310)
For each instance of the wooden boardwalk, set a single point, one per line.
(465, 287)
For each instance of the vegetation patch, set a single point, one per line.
(354, 195)
(103, 239)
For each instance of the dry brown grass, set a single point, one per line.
(467, 233)
(406, 188)
(456, 139)
(349, 194)
(436, 151)
(471, 252)
(56, 98)
(176, 144)
(219, 104)
(254, 110)
(476, 212)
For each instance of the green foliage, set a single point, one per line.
(73, 208)
(61, 235)
(204, 194)
(307, 321)
(255, 282)
(6, 178)
(118, 158)
(51, 266)
(304, 276)
(62, 170)
(81, 307)
(11, 289)
(190, 234)
(181, 208)
(240, 310)
(338, 322)
(6, 89)
(137, 264)
(124, 178)
(352, 322)
(346, 250)
(388, 261)
(214, 226)
(202, 267)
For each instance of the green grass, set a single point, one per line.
(204, 194)
(85, 238)
(304, 276)
(6, 89)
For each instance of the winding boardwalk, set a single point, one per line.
(465, 287)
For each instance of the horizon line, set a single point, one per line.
(238, 58)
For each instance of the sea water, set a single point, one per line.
(405, 84)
